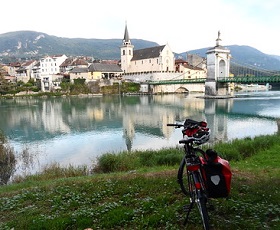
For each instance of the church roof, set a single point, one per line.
(126, 36)
(147, 53)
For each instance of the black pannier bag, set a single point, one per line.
(217, 175)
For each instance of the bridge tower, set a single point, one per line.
(218, 63)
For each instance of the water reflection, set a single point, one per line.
(76, 130)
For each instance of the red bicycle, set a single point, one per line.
(202, 174)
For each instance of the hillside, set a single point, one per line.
(31, 44)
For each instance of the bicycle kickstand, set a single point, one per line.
(188, 208)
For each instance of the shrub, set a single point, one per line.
(7, 160)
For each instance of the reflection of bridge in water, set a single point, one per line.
(218, 112)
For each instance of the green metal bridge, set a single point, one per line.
(240, 80)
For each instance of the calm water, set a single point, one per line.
(76, 130)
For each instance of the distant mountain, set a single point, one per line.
(245, 55)
(276, 56)
(30, 43)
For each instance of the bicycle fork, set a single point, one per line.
(195, 186)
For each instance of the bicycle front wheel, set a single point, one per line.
(201, 205)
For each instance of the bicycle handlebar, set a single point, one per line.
(199, 132)
(189, 123)
(176, 125)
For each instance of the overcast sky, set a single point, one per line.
(183, 24)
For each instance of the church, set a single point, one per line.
(154, 59)
(155, 63)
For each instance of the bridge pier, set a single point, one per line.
(213, 89)
(210, 88)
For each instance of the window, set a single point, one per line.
(123, 52)
(129, 52)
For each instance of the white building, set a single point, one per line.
(49, 66)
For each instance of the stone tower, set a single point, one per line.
(218, 63)
(126, 51)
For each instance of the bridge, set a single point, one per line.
(222, 70)
(214, 74)
(239, 80)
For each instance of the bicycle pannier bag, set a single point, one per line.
(217, 176)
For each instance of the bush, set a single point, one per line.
(7, 160)
(111, 162)
(126, 161)
(240, 149)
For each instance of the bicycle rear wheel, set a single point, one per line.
(182, 177)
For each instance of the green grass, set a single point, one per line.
(141, 192)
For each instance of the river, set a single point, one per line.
(76, 130)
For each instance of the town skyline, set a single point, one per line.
(184, 26)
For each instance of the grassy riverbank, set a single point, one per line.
(139, 191)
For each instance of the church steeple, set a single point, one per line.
(126, 51)
(126, 40)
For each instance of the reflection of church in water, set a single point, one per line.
(150, 119)
(147, 119)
